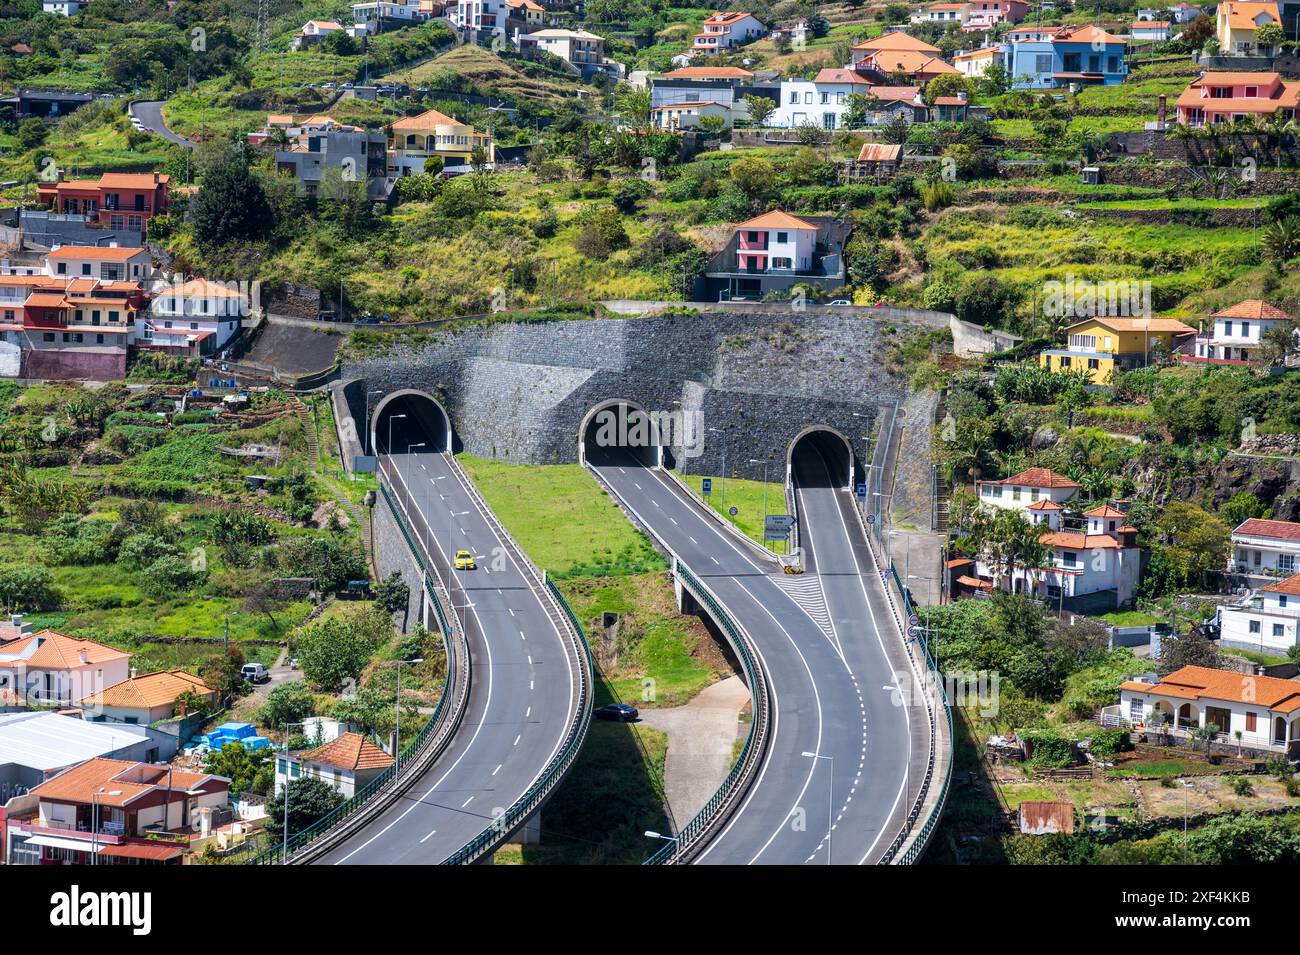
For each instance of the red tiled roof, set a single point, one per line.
(1278, 530)
(1045, 505)
(1037, 477)
(350, 751)
(111, 253)
(776, 219)
(1193, 682)
(880, 152)
(1289, 586)
(158, 852)
(54, 651)
(1105, 510)
(1255, 309)
(1077, 541)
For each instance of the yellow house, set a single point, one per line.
(1098, 346)
(1237, 22)
(414, 139)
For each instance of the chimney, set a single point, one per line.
(81, 654)
(134, 671)
(1161, 110)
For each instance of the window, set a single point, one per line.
(783, 237)
(1286, 562)
(47, 337)
(1254, 626)
(781, 262)
(1250, 722)
(1252, 91)
(1227, 328)
(1279, 630)
(99, 339)
(1015, 494)
(1043, 63)
(1069, 559)
(61, 268)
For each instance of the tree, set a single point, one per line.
(995, 80)
(393, 594)
(170, 575)
(372, 710)
(1194, 541)
(947, 84)
(287, 703)
(1269, 36)
(247, 769)
(332, 652)
(1242, 506)
(713, 125)
(634, 106)
(28, 587)
(230, 206)
(754, 175)
(1281, 240)
(759, 108)
(223, 672)
(1187, 649)
(310, 800)
(1198, 32)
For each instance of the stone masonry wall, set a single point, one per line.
(519, 392)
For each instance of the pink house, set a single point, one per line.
(51, 667)
(1223, 97)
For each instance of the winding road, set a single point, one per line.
(840, 771)
(526, 677)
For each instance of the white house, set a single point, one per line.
(145, 699)
(51, 667)
(1265, 549)
(1156, 31)
(973, 63)
(944, 13)
(1029, 487)
(109, 262)
(313, 31)
(369, 18)
(1237, 332)
(197, 312)
(775, 240)
(687, 115)
(62, 8)
(347, 763)
(724, 31)
(1262, 708)
(822, 101)
(576, 47)
(1264, 620)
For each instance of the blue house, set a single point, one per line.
(1051, 57)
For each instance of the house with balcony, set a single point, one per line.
(726, 31)
(118, 201)
(1221, 97)
(582, 50)
(1236, 333)
(1237, 22)
(1265, 550)
(1049, 58)
(193, 318)
(1264, 619)
(914, 67)
(944, 14)
(771, 254)
(50, 668)
(480, 18)
(1265, 710)
(1028, 490)
(381, 15)
(321, 146)
(1099, 347)
(348, 763)
(676, 116)
(414, 140)
(893, 41)
(114, 812)
(987, 15)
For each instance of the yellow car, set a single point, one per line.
(464, 560)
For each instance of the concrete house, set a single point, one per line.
(774, 252)
(974, 63)
(347, 763)
(1101, 346)
(48, 667)
(414, 140)
(1264, 550)
(1064, 56)
(1150, 31)
(194, 318)
(1237, 22)
(144, 699)
(822, 101)
(1264, 620)
(725, 31)
(1221, 97)
(1262, 708)
(1237, 332)
(727, 86)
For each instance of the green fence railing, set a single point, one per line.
(503, 825)
(753, 740)
(281, 851)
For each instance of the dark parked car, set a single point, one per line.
(619, 712)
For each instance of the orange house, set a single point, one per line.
(116, 200)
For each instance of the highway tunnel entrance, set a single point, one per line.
(410, 420)
(615, 429)
(820, 456)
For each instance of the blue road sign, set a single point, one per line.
(861, 491)
(708, 486)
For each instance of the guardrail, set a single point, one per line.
(429, 741)
(550, 777)
(686, 841)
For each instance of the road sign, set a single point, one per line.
(913, 631)
(914, 620)
(861, 491)
(707, 486)
(732, 511)
(365, 464)
(776, 534)
(871, 518)
(780, 520)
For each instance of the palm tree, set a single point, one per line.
(1281, 240)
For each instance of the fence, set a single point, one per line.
(455, 688)
(678, 848)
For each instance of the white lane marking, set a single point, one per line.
(673, 519)
(516, 742)
(498, 769)
(432, 833)
(694, 541)
(521, 635)
(528, 714)
(512, 611)
(467, 802)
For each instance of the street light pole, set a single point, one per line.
(764, 463)
(284, 858)
(391, 419)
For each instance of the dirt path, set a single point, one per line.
(701, 740)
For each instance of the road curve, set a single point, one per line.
(149, 112)
(824, 643)
(526, 680)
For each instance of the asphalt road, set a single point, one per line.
(523, 689)
(823, 640)
(149, 112)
